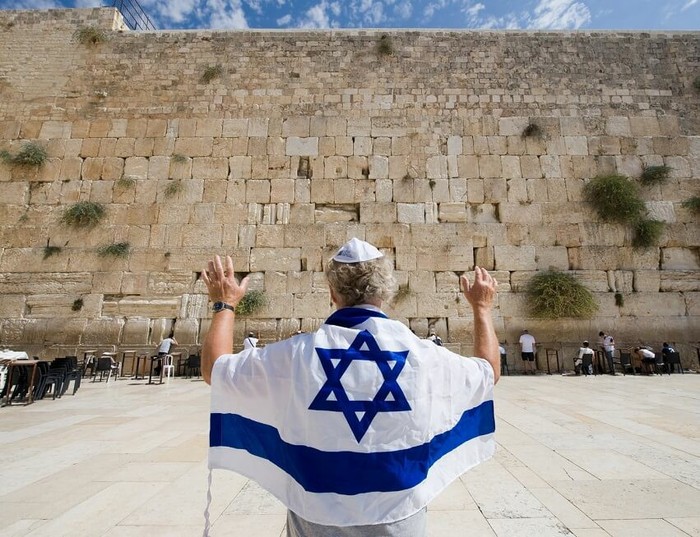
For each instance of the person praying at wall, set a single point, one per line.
(357, 426)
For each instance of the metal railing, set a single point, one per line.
(134, 15)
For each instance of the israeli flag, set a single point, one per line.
(360, 422)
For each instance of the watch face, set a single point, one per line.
(218, 306)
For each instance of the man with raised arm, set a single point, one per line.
(357, 426)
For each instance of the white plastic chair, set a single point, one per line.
(168, 368)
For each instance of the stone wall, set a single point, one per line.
(303, 139)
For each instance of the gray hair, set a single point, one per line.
(358, 283)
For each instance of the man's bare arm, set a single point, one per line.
(222, 287)
(481, 295)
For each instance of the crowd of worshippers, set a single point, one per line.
(642, 359)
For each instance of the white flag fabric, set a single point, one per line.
(360, 422)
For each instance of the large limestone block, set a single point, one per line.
(140, 307)
(490, 166)
(297, 126)
(411, 213)
(436, 167)
(647, 281)
(436, 304)
(680, 259)
(613, 258)
(102, 331)
(65, 331)
(458, 258)
(618, 126)
(55, 129)
(654, 305)
(452, 212)
(644, 126)
(519, 213)
(684, 281)
(311, 305)
(297, 146)
(304, 235)
(378, 167)
(262, 259)
(377, 212)
(515, 257)
(134, 167)
(210, 168)
(468, 166)
(552, 258)
(194, 147)
(12, 306)
(170, 283)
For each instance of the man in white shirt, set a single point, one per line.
(250, 342)
(271, 384)
(528, 347)
(608, 346)
(647, 359)
(584, 362)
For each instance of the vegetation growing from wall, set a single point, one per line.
(77, 304)
(210, 73)
(119, 250)
(532, 131)
(51, 251)
(31, 154)
(126, 182)
(385, 46)
(614, 198)
(647, 233)
(555, 295)
(173, 188)
(83, 214)
(252, 302)
(654, 175)
(693, 204)
(90, 35)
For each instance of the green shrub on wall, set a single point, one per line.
(614, 198)
(51, 250)
(647, 233)
(554, 295)
(83, 214)
(120, 250)
(252, 302)
(31, 154)
(90, 35)
(692, 204)
(655, 175)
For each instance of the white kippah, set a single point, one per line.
(356, 251)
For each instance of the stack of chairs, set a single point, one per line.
(72, 372)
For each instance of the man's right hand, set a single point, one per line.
(221, 282)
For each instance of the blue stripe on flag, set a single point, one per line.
(347, 472)
(349, 317)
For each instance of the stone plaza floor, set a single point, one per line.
(584, 456)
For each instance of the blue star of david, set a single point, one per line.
(333, 397)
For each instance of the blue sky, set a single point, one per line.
(465, 14)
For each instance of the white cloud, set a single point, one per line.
(316, 17)
(375, 14)
(432, 7)
(559, 14)
(255, 5)
(473, 11)
(226, 14)
(689, 4)
(284, 21)
(404, 10)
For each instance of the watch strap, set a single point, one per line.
(221, 306)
